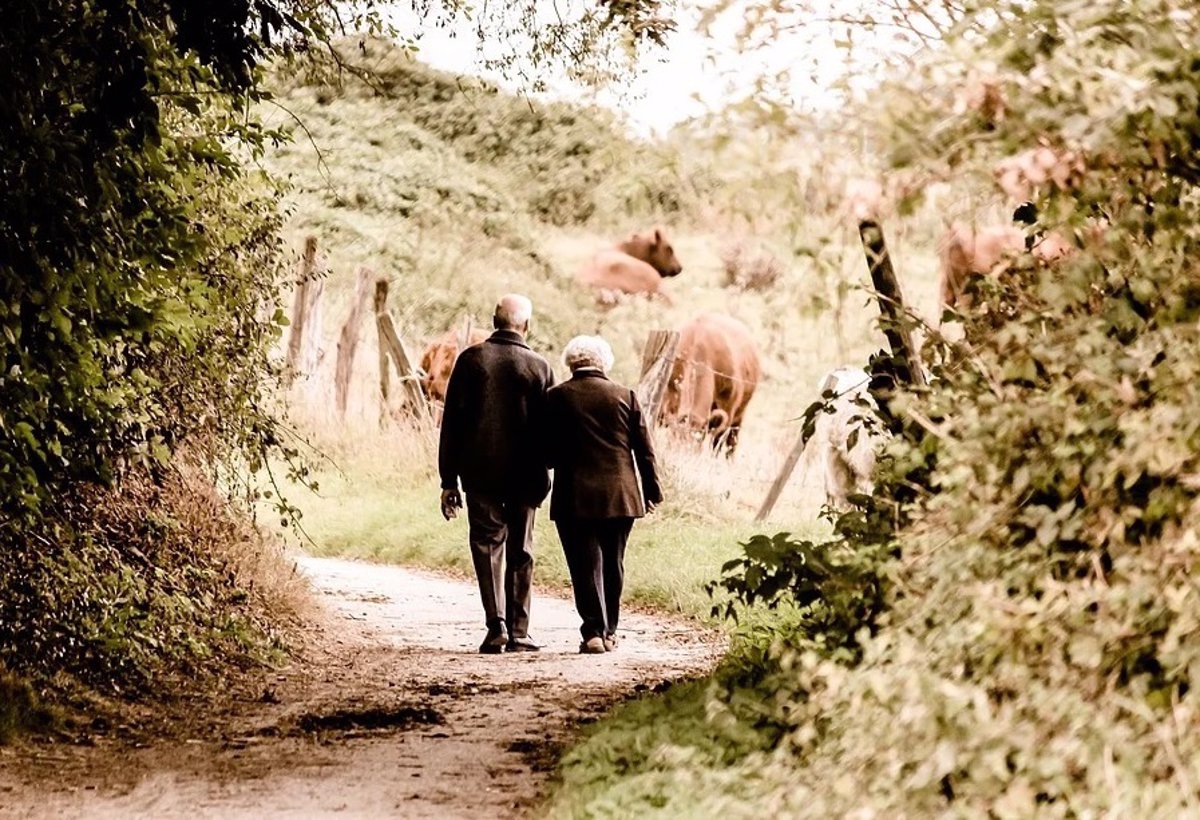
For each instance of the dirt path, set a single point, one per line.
(389, 712)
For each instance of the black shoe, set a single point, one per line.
(494, 643)
(522, 645)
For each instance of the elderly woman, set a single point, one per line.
(595, 435)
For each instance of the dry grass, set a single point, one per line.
(256, 557)
(378, 489)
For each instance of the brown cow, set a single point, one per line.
(635, 266)
(965, 251)
(438, 360)
(714, 375)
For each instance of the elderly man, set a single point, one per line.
(494, 402)
(596, 434)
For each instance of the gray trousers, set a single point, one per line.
(501, 535)
(595, 552)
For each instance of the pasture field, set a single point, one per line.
(452, 221)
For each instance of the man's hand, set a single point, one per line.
(451, 504)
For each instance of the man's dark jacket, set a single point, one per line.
(495, 401)
(595, 434)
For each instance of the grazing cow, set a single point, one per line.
(635, 266)
(849, 465)
(965, 251)
(713, 378)
(438, 360)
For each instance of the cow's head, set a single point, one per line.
(653, 248)
(436, 364)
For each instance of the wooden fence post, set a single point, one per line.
(891, 303)
(899, 337)
(304, 341)
(347, 344)
(658, 357)
(409, 377)
(391, 346)
(785, 472)
(464, 338)
(789, 464)
(385, 375)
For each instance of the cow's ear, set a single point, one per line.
(658, 236)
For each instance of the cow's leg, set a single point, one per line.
(731, 439)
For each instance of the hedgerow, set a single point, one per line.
(1036, 647)
(139, 263)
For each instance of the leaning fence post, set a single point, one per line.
(658, 357)
(385, 374)
(347, 344)
(789, 466)
(390, 346)
(891, 303)
(899, 337)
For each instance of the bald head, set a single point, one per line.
(513, 312)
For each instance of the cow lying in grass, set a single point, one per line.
(634, 266)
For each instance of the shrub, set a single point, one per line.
(1040, 623)
(748, 269)
(565, 164)
(118, 587)
(21, 710)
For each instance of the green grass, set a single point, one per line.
(378, 500)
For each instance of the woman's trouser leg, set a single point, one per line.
(581, 546)
(615, 536)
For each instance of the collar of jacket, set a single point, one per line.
(588, 373)
(507, 337)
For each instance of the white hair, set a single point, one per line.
(513, 311)
(588, 351)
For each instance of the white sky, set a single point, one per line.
(692, 75)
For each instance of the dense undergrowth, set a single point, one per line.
(160, 577)
(139, 266)
(1036, 648)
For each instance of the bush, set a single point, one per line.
(119, 587)
(21, 710)
(1034, 651)
(747, 269)
(565, 164)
